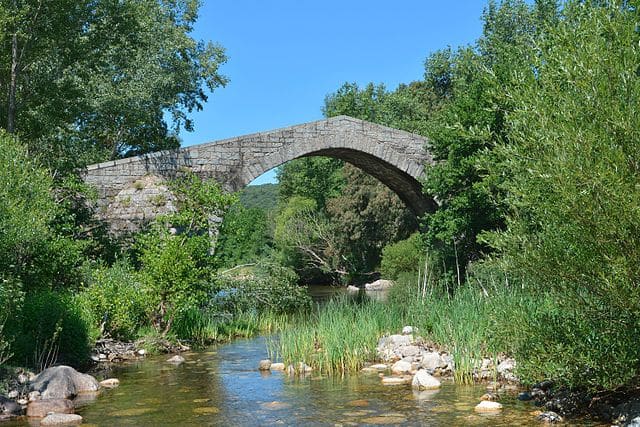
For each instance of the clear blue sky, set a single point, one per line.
(285, 56)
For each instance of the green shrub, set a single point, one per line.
(268, 287)
(115, 300)
(401, 257)
(49, 329)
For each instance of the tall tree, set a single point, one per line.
(471, 84)
(91, 80)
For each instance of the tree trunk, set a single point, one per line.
(11, 108)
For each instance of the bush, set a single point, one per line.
(114, 300)
(267, 287)
(49, 329)
(402, 257)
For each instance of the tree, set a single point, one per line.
(174, 254)
(92, 80)
(471, 83)
(573, 195)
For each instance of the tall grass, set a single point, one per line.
(338, 338)
(475, 322)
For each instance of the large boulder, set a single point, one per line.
(63, 382)
(40, 408)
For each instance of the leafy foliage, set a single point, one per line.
(404, 256)
(573, 193)
(92, 80)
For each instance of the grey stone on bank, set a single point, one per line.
(353, 289)
(423, 381)
(379, 285)
(278, 366)
(40, 408)
(176, 360)
(9, 407)
(407, 330)
(61, 420)
(264, 365)
(63, 382)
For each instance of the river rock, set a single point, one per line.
(490, 397)
(423, 381)
(389, 347)
(13, 394)
(407, 330)
(353, 289)
(34, 395)
(278, 366)
(264, 365)
(110, 383)
(487, 406)
(410, 350)
(379, 367)
(176, 360)
(9, 407)
(431, 361)
(401, 367)
(396, 380)
(63, 382)
(549, 417)
(506, 368)
(61, 420)
(379, 285)
(40, 408)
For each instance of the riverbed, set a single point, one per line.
(221, 386)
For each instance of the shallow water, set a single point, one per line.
(221, 386)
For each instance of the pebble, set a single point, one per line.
(277, 366)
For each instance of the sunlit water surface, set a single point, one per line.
(221, 386)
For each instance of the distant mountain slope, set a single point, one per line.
(263, 196)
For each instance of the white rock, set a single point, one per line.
(423, 381)
(34, 395)
(379, 285)
(410, 350)
(401, 367)
(277, 366)
(61, 420)
(142, 352)
(13, 394)
(507, 365)
(22, 402)
(22, 378)
(488, 406)
(431, 361)
(407, 330)
(176, 360)
(353, 289)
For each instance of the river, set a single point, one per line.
(221, 386)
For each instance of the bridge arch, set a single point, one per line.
(396, 158)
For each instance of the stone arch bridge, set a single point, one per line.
(132, 190)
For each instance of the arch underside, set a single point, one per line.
(404, 185)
